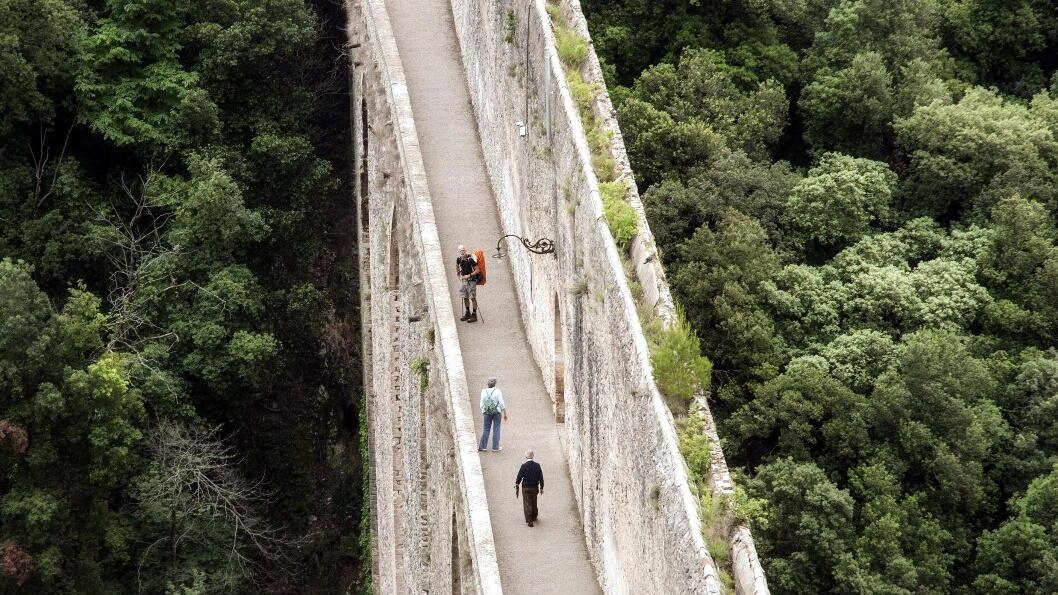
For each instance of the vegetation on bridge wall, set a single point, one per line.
(178, 370)
(855, 202)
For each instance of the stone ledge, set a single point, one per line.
(475, 505)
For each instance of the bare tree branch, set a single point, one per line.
(40, 160)
(194, 485)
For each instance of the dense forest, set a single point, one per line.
(856, 204)
(179, 371)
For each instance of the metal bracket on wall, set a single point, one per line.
(541, 246)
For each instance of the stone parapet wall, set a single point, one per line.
(644, 252)
(640, 517)
(431, 529)
(746, 568)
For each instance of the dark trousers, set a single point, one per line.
(529, 504)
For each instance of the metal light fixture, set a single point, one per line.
(541, 246)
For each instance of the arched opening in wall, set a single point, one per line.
(559, 398)
(364, 204)
(457, 570)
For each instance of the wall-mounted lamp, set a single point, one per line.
(522, 130)
(541, 246)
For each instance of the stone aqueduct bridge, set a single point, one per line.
(439, 88)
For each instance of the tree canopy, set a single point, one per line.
(173, 300)
(855, 203)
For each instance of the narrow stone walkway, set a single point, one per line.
(551, 557)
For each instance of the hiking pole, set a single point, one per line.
(480, 317)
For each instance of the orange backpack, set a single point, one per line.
(479, 256)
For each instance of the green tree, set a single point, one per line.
(676, 209)
(850, 109)
(133, 89)
(807, 415)
(968, 155)
(720, 285)
(897, 31)
(1020, 556)
(950, 294)
(80, 414)
(805, 534)
(38, 40)
(905, 548)
(1021, 264)
(933, 413)
(806, 304)
(678, 116)
(1006, 43)
(840, 198)
(857, 358)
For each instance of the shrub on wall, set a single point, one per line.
(695, 448)
(421, 366)
(620, 215)
(583, 95)
(680, 370)
(572, 49)
(602, 162)
(716, 512)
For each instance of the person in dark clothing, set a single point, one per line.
(531, 479)
(467, 269)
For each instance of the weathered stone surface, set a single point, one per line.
(551, 558)
(424, 459)
(641, 520)
(431, 521)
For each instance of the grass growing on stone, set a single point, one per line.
(573, 52)
(421, 366)
(635, 288)
(572, 49)
(512, 28)
(697, 453)
(619, 215)
(578, 286)
(599, 142)
(363, 537)
(695, 448)
(581, 92)
(554, 12)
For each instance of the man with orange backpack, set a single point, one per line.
(469, 274)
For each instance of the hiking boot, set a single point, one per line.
(473, 317)
(465, 316)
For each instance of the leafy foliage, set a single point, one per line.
(166, 262)
(679, 368)
(855, 203)
(619, 215)
(840, 198)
